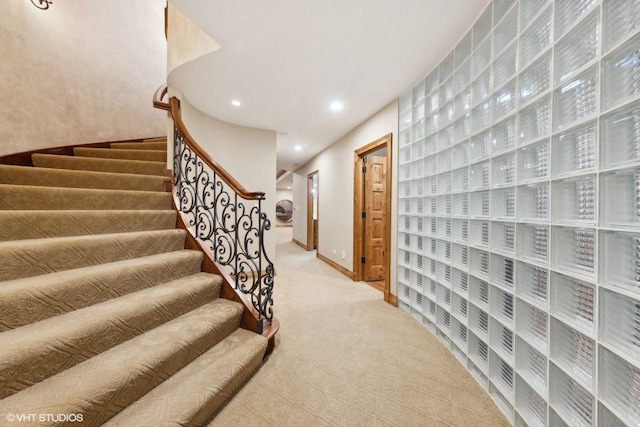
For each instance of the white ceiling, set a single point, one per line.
(286, 61)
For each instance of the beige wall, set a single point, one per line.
(248, 154)
(335, 166)
(79, 72)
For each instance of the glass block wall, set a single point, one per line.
(519, 208)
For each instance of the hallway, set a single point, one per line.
(343, 357)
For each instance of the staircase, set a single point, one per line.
(103, 313)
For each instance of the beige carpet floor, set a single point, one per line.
(344, 357)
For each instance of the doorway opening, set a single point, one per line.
(372, 214)
(312, 210)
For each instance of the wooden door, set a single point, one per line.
(375, 172)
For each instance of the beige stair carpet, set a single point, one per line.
(103, 310)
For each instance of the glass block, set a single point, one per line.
(443, 322)
(443, 295)
(479, 295)
(502, 308)
(536, 38)
(444, 160)
(444, 183)
(459, 307)
(480, 146)
(446, 114)
(430, 313)
(504, 135)
(503, 237)
(430, 289)
(431, 144)
(479, 263)
(460, 279)
(431, 185)
(445, 138)
(607, 418)
(574, 250)
(533, 162)
(462, 106)
(404, 293)
(460, 153)
(620, 198)
(504, 170)
(505, 31)
(479, 204)
(418, 130)
(530, 405)
(405, 119)
(462, 128)
(534, 121)
(462, 77)
(417, 169)
(532, 284)
(533, 242)
(621, 74)
(620, 323)
(536, 79)
(405, 137)
(482, 27)
(505, 66)
(574, 200)
(529, 9)
(432, 227)
(460, 204)
(481, 117)
(503, 203)
(568, 12)
(417, 206)
(417, 186)
(532, 365)
(431, 82)
(479, 323)
(573, 301)
(446, 91)
(459, 337)
(445, 205)
(479, 233)
(574, 352)
(502, 341)
(569, 399)
(620, 261)
(418, 112)
(479, 175)
(460, 180)
(619, 386)
(446, 67)
(501, 375)
(620, 136)
(463, 49)
(481, 58)
(575, 150)
(478, 352)
(418, 92)
(444, 230)
(621, 17)
(431, 165)
(576, 99)
(460, 230)
(405, 101)
(432, 103)
(578, 47)
(481, 88)
(416, 302)
(504, 100)
(532, 325)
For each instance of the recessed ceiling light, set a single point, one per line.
(288, 187)
(298, 148)
(337, 106)
(235, 103)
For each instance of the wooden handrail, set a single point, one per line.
(157, 98)
(197, 149)
(174, 108)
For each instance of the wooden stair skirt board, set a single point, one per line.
(107, 309)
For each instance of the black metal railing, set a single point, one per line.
(230, 223)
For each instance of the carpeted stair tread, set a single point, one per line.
(34, 224)
(34, 352)
(47, 177)
(33, 257)
(114, 153)
(33, 299)
(103, 385)
(194, 394)
(152, 145)
(100, 165)
(27, 197)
